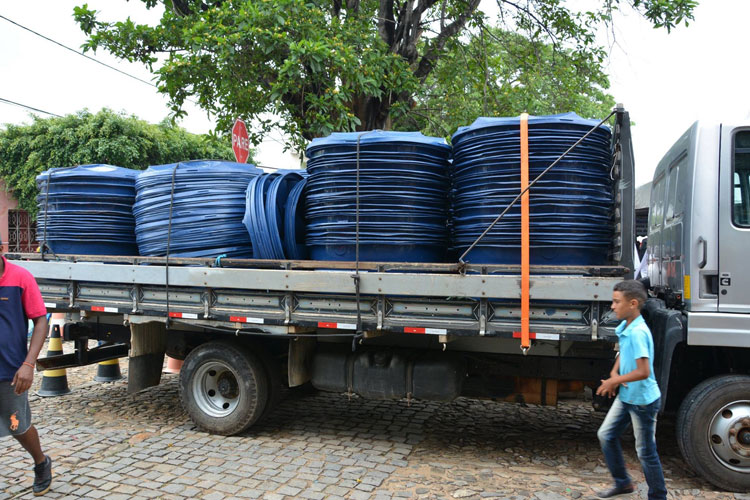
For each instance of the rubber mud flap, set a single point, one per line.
(144, 371)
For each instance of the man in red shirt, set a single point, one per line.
(20, 300)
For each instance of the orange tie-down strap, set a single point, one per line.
(525, 271)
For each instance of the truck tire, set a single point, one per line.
(223, 387)
(713, 431)
(272, 368)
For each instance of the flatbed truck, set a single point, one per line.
(247, 328)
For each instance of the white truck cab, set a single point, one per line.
(699, 232)
(699, 243)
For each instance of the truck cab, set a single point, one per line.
(698, 238)
(699, 222)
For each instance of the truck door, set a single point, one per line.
(734, 220)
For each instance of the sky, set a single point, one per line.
(38, 73)
(666, 81)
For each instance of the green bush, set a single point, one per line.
(104, 137)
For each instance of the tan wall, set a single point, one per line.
(7, 202)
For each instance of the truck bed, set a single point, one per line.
(568, 302)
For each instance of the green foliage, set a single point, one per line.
(500, 73)
(665, 13)
(85, 138)
(244, 59)
(321, 66)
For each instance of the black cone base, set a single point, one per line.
(54, 386)
(108, 373)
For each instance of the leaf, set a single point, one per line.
(441, 68)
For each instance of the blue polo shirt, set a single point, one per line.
(636, 342)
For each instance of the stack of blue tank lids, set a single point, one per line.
(570, 206)
(207, 209)
(87, 210)
(294, 222)
(273, 215)
(403, 202)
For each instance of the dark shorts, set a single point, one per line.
(15, 412)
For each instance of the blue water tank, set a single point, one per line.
(403, 186)
(570, 207)
(206, 200)
(87, 210)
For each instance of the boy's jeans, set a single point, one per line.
(643, 418)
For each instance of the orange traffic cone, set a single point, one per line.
(173, 365)
(56, 319)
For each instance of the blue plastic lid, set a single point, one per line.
(199, 166)
(294, 223)
(376, 137)
(484, 122)
(94, 170)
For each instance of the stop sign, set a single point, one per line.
(240, 142)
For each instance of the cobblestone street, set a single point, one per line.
(108, 444)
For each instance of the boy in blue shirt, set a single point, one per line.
(639, 397)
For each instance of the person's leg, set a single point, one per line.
(30, 441)
(644, 428)
(615, 423)
(42, 463)
(15, 420)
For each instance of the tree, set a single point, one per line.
(84, 138)
(330, 65)
(499, 73)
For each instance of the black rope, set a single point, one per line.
(46, 209)
(169, 241)
(76, 52)
(31, 108)
(461, 259)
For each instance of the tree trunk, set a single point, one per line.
(373, 113)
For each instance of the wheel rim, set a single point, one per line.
(215, 389)
(729, 436)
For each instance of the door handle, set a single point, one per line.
(702, 241)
